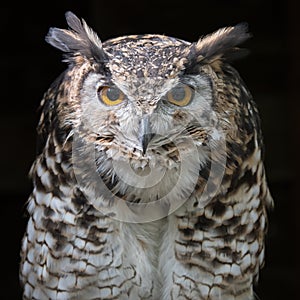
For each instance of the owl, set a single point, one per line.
(149, 180)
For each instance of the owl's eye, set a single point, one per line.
(181, 95)
(110, 95)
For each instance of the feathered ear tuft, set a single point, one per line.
(79, 40)
(219, 45)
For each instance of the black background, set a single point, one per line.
(29, 65)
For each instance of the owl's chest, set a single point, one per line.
(139, 256)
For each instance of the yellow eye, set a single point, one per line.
(180, 95)
(110, 95)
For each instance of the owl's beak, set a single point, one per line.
(145, 134)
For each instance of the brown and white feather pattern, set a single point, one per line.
(74, 246)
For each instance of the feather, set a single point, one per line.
(222, 40)
(219, 45)
(79, 40)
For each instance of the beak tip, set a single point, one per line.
(146, 138)
(145, 133)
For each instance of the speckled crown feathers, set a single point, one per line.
(80, 39)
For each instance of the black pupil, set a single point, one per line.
(113, 94)
(178, 93)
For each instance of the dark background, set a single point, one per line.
(29, 65)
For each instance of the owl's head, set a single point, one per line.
(148, 100)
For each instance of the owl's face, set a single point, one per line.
(147, 104)
(143, 105)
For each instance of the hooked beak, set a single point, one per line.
(145, 134)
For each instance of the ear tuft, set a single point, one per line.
(79, 40)
(219, 45)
